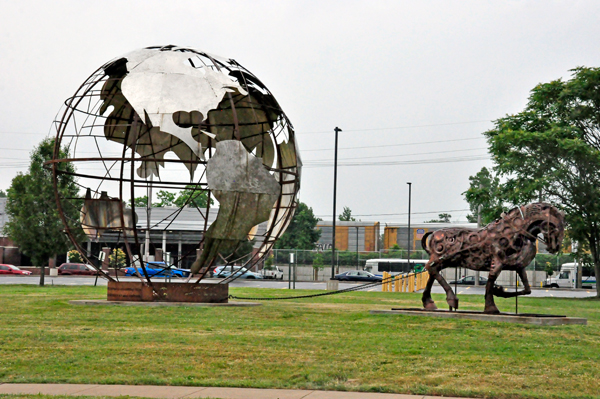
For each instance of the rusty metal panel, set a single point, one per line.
(129, 291)
(104, 213)
(167, 292)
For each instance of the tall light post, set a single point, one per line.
(408, 246)
(336, 130)
(357, 265)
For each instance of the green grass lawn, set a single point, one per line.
(329, 342)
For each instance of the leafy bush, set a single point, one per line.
(74, 256)
(117, 258)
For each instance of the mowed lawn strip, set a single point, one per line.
(329, 342)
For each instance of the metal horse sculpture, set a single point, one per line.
(506, 244)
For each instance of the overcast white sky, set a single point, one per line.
(410, 81)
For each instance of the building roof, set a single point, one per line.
(326, 223)
(431, 226)
(175, 219)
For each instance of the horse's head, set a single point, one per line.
(547, 220)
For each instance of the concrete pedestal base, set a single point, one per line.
(333, 285)
(167, 292)
(537, 319)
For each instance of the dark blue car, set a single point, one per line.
(158, 269)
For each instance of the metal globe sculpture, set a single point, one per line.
(175, 119)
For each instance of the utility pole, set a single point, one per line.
(408, 246)
(479, 226)
(357, 261)
(336, 130)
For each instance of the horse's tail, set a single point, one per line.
(425, 241)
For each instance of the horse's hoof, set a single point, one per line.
(429, 305)
(452, 302)
(491, 310)
(498, 290)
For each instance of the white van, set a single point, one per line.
(567, 276)
(394, 266)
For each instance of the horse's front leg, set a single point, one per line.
(526, 287)
(490, 305)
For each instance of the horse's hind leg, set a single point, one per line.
(490, 305)
(526, 287)
(428, 302)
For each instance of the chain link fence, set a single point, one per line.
(357, 260)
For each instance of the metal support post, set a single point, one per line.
(336, 130)
(409, 236)
(357, 262)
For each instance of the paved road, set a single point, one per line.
(462, 290)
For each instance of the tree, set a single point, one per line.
(317, 265)
(485, 192)
(301, 233)
(117, 258)
(141, 202)
(192, 197)
(443, 218)
(2, 194)
(166, 199)
(74, 256)
(346, 215)
(35, 225)
(551, 151)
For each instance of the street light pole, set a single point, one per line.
(408, 246)
(356, 247)
(337, 130)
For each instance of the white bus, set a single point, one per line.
(567, 276)
(395, 266)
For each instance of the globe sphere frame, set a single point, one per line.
(83, 127)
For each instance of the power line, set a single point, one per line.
(10, 132)
(398, 127)
(398, 145)
(405, 213)
(413, 162)
(402, 155)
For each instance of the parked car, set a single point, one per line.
(158, 269)
(239, 274)
(11, 269)
(217, 271)
(77, 269)
(469, 280)
(357, 275)
(274, 273)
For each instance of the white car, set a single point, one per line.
(275, 273)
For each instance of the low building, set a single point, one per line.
(398, 234)
(350, 236)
